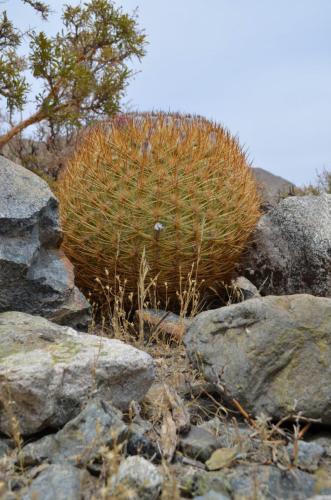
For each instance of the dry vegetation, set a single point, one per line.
(321, 185)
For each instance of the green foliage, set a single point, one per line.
(40, 7)
(13, 85)
(83, 70)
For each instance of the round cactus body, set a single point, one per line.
(177, 187)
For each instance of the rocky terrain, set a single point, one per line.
(234, 403)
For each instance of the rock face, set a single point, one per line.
(50, 371)
(291, 248)
(35, 276)
(272, 354)
(272, 187)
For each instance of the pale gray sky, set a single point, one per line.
(260, 67)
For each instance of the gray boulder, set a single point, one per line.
(35, 276)
(272, 354)
(291, 248)
(48, 372)
(57, 482)
(79, 442)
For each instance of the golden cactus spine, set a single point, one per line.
(179, 187)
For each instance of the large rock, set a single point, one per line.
(272, 187)
(50, 371)
(35, 276)
(272, 354)
(291, 248)
(81, 440)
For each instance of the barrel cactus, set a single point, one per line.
(178, 188)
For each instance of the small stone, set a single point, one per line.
(246, 288)
(139, 476)
(227, 434)
(198, 483)
(57, 482)
(198, 444)
(308, 455)
(222, 458)
(140, 444)
(213, 495)
(214, 425)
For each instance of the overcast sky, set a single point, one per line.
(262, 68)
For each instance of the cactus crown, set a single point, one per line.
(178, 186)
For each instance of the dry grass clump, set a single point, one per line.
(177, 187)
(148, 324)
(321, 185)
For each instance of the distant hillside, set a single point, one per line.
(272, 186)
